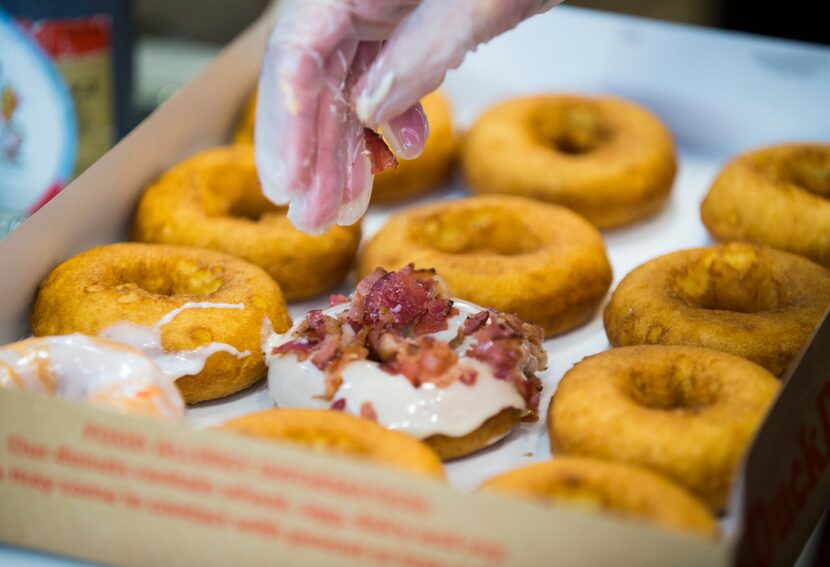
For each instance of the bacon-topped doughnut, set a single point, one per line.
(401, 352)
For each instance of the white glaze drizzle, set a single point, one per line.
(173, 364)
(88, 369)
(427, 410)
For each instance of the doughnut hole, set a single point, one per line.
(169, 277)
(226, 191)
(735, 279)
(480, 231)
(683, 387)
(573, 129)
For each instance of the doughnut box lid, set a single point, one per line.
(102, 487)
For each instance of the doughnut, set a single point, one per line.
(756, 302)
(687, 413)
(244, 131)
(93, 370)
(410, 177)
(213, 200)
(203, 312)
(542, 262)
(334, 432)
(606, 158)
(402, 353)
(432, 167)
(777, 196)
(625, 490)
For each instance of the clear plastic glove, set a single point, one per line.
(334, 67)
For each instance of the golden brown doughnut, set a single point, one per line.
(778, 196)
(338, 433)
(141, 283)
(213, 200)
(756, 302)
(540, 261)
(687, 413)
(626, 490)
(606, 158)
(432, 167)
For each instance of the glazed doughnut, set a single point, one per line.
(429, 170)
(542, 262)
(339, 433)
(199, 304)
(687, 413)
(213, 200)
(94, 370)
(626, 490)
(606, 158)
(777, 196)
(756, 302)
(401, 352)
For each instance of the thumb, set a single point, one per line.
(433, 39)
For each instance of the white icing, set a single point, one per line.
(84, 369)
(173, 364)
(427, 410)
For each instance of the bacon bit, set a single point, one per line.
(435, 318)
(332, 383)
(393, 314)
(474, 322)
(326, 351)
(396, 299)
(367, 410)
(339, 405)
(468, 376)
(423, 360)
(300, 346)
(337, 299)
(379, 153)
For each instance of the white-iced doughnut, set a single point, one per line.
(94, 370)
(402, 353)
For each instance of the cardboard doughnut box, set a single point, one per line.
(81, 482)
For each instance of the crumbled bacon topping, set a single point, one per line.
(474, 322)
(390, 320)
(512, 348)
(337, 299)
(422, 360)
(379, 153)
(397, 299)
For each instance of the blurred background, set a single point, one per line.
(120, 59)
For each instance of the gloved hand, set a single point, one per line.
(333, 66)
